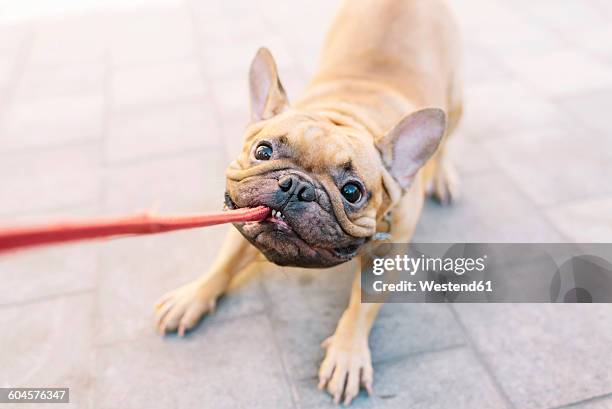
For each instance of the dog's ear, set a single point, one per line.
(406, 148)
(268, 97)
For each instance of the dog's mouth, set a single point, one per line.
(281, 243)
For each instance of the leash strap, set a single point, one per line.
(13, 238)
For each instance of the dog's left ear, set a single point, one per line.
(406, 148)
(268, 97)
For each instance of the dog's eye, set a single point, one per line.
(351, 192)
(263, 151)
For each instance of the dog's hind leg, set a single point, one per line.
(443, 183)
(182, 309)
(440, 174)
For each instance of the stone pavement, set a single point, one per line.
(122, 109)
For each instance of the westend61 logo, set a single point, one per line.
(487, 272)
(412, 265)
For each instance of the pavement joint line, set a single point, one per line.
(45, 298)
(22, 59)
(293, 392)
(539, 211)
(49, 209)
(151, 63)
(134, 108)
(204, 74)
(128, 108)
(193, 333)
(138, 160)
(482, 360)
(75, 144)
(587, 400)
(578, 201)
(106, 125)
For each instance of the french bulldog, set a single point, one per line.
(354, 157)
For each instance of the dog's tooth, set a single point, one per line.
(273, 213)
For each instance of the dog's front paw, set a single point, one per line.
(346, 366)
(181, 309)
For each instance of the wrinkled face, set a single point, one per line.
(322, 182)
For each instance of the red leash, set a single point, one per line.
(13, 238)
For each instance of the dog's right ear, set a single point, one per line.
(268, 97)
(408, 146)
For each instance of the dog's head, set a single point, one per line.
(327, 184)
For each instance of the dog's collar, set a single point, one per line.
(383, 231)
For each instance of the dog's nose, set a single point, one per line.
(306, 192)
(285, 183)
(293, 185)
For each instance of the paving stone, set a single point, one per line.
(585, 221)
(446, 379)
(306, 22)
(603, 6)
(133, 277)
(65, 39)
(306, 305)
(490, 210)
(228, 58)
(564, 15)
(162, 130)
(494, 109)
(481, 66)
(501, 27)
(569, 76)
(152, 83)
(223, 30)
(468, 155)
(544, 355)
(53, 121)
(403, 329)
(47, 344)
(231, 95)
(595, 39)
(13, 37)
(231, 100)
(7, 67)
(590, 109)
(156, 34)
(37, 177)
(43, 215)
(512, 32)
(556, 166)
(214, 369)
(232, 129)
(53, 271)
(188, 183)
(64, 80)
